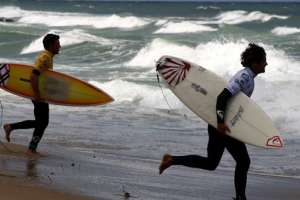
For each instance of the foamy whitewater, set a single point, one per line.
(114, 46)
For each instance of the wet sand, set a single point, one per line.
(109, 176)
(12, 188)
(15, 186)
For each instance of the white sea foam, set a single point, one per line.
(184, 27)
(284, 30)
(58, 19)
(228, 17)
(15, 60)
(241, 16)
(54, 19)
(222, 57)
(142, 95)
(67, 38)
(161, 22)
(208, 7)
(11, 12)
(6, 60)
(147, 56)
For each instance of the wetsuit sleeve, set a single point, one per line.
(222, 101)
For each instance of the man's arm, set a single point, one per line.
(222, 101)
(34, 79)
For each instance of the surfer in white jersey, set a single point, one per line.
(254, 62)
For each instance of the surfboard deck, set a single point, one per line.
(198, 88)
(55, 87)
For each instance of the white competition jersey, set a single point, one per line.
(243, 81)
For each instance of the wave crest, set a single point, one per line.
(67, 38)
(184, 27)
(222, 57)
(284, 30)
(241, 16)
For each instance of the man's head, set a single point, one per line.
(254, 57)
(51, 43)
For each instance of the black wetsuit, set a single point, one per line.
(243, 81)
(215, 148)
(41, 114)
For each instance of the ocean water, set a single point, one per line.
(114, 45)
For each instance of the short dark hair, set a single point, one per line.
(49, 39)
(252, 54)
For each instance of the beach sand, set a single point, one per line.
(102, 176)
(12, 188)
(15, 186)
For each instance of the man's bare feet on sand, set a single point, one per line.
(166, 162)
(7, 128)
(33, 154)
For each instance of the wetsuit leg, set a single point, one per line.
(41, 113)
(23, 125)
(215, 149)
(27, 124)
(239, 152)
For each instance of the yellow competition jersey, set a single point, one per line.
(44, 60)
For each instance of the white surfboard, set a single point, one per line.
(198, 89)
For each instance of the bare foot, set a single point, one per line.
(7, 129)
(32, 154)
(166, 162)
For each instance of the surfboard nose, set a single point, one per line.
(275, 142)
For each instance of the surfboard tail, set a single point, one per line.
(275, 142)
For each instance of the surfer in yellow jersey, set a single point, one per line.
(41, 109)
(254, 62)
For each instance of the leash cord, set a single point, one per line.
(162, 91)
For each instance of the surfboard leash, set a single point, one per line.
(162, 91)
(1, 120)
(1, 124)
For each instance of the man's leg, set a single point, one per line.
(41, 113)
(215, 149)
(8, 128)
(239, 152)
